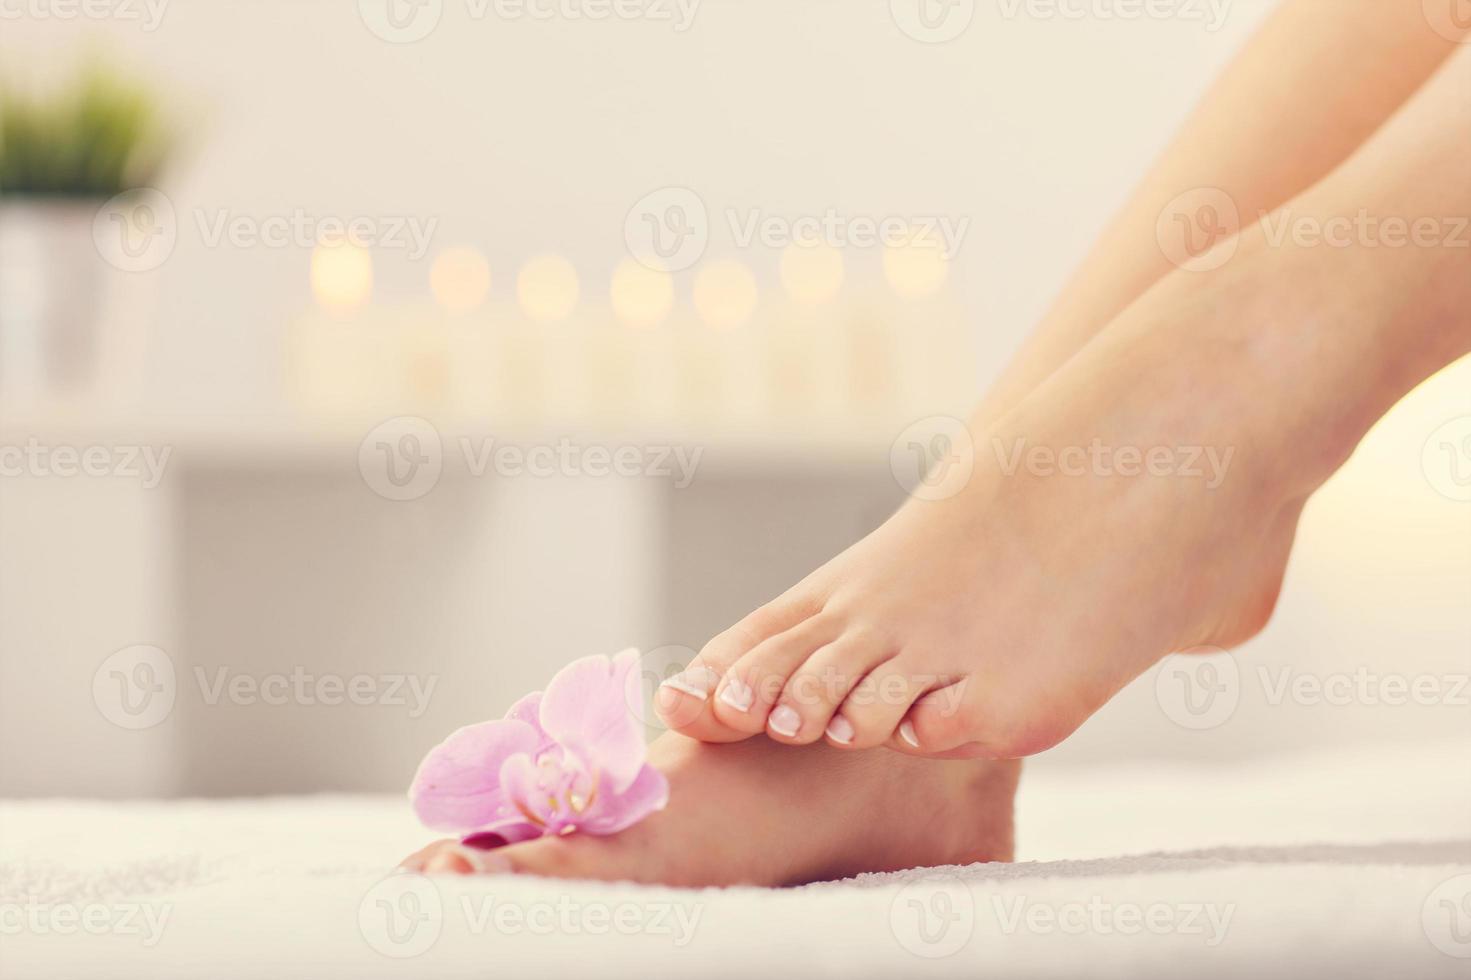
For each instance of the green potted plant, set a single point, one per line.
(63, 155)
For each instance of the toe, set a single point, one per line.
(875, 709)
(967, 720)
(753, 684)
(817, 687)
(685, 702)
(942, 722)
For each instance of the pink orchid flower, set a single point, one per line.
(568, 759)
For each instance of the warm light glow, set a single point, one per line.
(547, 287)
(342, 276)
(641, 296)
(725, 293)
(916, 266)
(812, 274)
(460, 279)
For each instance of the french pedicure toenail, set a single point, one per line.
(737, 694)
(696, 681)
(906, 732)
(785, 721)
(840, 730)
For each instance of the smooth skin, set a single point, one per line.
(994, 622)
(991, 623)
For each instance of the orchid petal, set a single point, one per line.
(586, 709)
(457, 787)
(649, 792)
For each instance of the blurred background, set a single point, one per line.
(280, 280)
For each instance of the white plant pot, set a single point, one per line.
(51, 285)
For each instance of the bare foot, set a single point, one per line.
(1158, 517)
(764, 814)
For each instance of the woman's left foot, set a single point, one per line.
(759, 813)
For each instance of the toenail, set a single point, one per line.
(906, 732)
(840, 730)
(696, 681)
(785, 721)
(484, 841)
(737, 694)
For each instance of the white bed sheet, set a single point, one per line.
(1357, 864)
